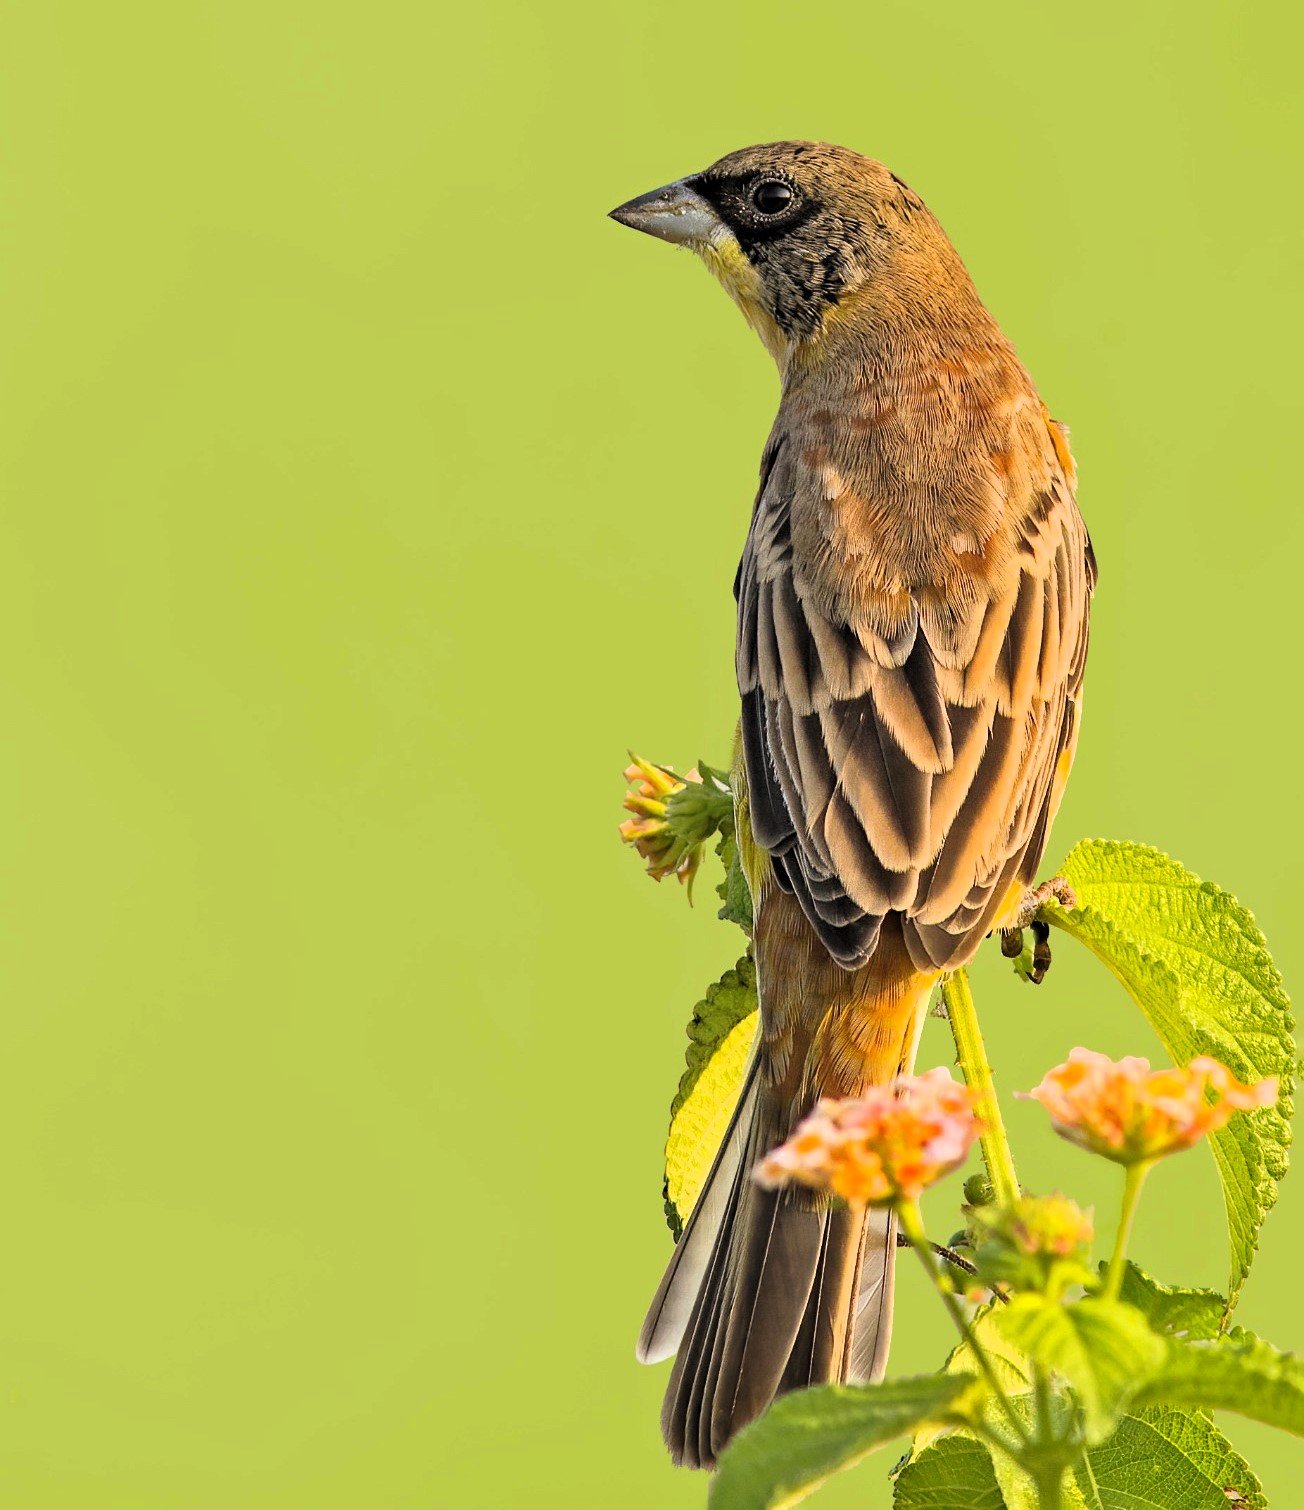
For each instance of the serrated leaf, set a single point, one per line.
(1103, 1350)
(1196, 963)
(807, 1436)
(954, 1471)
(1169, 1460)
(1159, 1458)
(733, 890)
(1237, 1372)
(720, 1035)
(1152, 1448)
(1193, 1314)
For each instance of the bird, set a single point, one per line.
(913, 601)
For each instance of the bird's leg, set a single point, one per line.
(1057, 889)
(1033, 967)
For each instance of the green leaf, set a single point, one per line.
(1196, 963)
(1104, 1350)
(719, 1039)
(1158, 1456)
(1168, 1460)
(733, 890)
(954, 1471)
(806, 1437)
(1238, 1372)
(1156, 1460)
(1194, 1314)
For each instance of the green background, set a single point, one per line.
(366, 494)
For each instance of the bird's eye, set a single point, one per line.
(772, 196)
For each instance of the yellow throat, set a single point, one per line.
(738, 277)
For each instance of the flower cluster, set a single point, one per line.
(883, 1147)
(649, 831)
(1040, 1243)
(1132, 1114)
(1052, 1225)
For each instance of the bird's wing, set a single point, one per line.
(911, 761)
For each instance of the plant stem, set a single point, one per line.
(1132, 1183)
(1050, 1487)
(972, 1056)
(1049, 1472)
(1041, 1385)
(913, 1227)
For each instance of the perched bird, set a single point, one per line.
(912, 629)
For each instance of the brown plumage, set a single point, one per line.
(912, 630)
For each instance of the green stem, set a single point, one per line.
(1045, 1422)
(913, 1227)
(1050, 1487)
(1049, 1471)
(1132, 1183)
(972, 1056)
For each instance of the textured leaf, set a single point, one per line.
(1007, 1359)
(1159, 1458)
(1169, 1460)
(1193, 1314)
(720, 1036)
(955, 1471)
(1012, 1370)
(1102, 1349)
(1156, 1460)
(806, 1437)
(705, 809)
(1197, 965)
(733, 890)
(1238, 1372)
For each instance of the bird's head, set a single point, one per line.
(800, 233)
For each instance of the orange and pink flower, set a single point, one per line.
(1132, 1114)
(885, 1146)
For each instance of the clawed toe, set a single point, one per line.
(1033, 964)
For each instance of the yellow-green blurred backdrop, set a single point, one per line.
(366, 494)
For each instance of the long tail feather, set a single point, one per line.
(776, 1290)
(672, 1305)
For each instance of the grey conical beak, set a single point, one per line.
(676, 213)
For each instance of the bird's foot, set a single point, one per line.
(1033, 964)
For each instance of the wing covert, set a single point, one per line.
(905, 754)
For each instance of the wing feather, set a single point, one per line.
(904, 757)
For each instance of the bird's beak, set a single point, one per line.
(677, 213)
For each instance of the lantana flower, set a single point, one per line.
(666, 852)
(1132, 1114)
(881, 1148)
(1050, 1224)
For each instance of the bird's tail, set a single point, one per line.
(773, 1290)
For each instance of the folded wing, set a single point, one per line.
(908, 757)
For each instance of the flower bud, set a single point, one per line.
(666, 850)
(1040, 1243)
